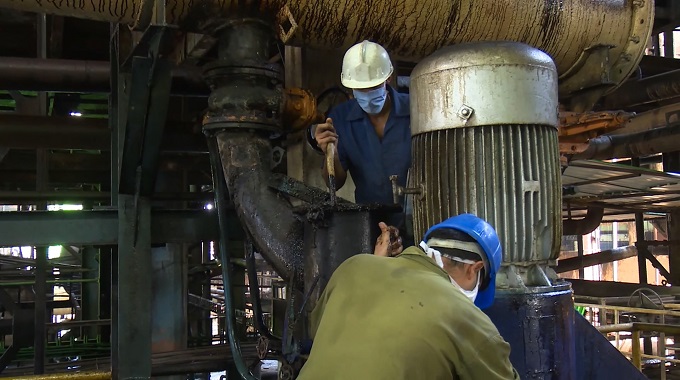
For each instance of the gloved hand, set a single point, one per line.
(324, 134)
(389, 242)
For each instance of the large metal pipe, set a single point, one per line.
(69, 376)
(647, 90)
(268, 218)
(591, 41)
(656, 118)
(57, 132)
(659, 140)
(584, 225)
(31, 74)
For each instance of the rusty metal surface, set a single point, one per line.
(299, 109)
(246, 90)
(567, 30)
(506, 174)
(580, 127)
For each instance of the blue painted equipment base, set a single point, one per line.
(550, 341)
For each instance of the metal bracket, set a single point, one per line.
(148, 105)
(287, 24)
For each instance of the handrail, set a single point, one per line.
(635, 329)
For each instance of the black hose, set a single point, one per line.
(220, 190)
(255, 293)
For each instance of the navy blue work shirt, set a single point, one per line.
(370, 160)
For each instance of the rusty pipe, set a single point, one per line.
(32, 74)
(658, 140)
(584, 225)
(69, 376)
(659, 117)
(267, 217)
(583, 37)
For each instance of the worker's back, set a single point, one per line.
(401, 318)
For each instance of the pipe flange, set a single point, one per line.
(222, 68)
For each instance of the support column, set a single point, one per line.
(134, 288)
(169, 300)
(90, 291)
(671, 163)
(41, 289)
(145, 83)
(579, 245)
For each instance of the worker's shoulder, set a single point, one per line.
(341, 112)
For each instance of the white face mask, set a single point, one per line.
(437, 257)
(471, 294)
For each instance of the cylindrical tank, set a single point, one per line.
(593, 42)
(484, 126)
(539, 325)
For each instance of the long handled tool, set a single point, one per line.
(330, 167)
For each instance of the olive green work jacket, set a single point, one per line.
(401, 318)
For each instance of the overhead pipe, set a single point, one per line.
(642, 91)
(584, 225)
(656, 118)
(606, 147)
(65, 132)
(64, 75)
(244, 110)
(592, 42)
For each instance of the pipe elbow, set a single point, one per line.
(584, 225)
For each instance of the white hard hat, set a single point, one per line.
(365, 65)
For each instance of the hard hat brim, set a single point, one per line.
(360, 85)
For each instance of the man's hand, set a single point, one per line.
(324, 134)
(389, 242)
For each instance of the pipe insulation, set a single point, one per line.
(591, 41)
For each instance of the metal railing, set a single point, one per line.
(597, 315)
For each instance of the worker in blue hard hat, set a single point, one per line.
(416, 315)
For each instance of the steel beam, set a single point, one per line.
(101, 227)
(603, 257)
(642, 91)
(62, 75)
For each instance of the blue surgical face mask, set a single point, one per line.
(372, 102)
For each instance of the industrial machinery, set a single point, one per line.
(484, 118)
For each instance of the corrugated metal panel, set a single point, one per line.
(508, 175)
(620, 187)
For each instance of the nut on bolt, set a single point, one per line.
(465, 112)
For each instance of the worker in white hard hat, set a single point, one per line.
(414, 316)
(372, 131)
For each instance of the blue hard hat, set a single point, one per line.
(486, 237)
